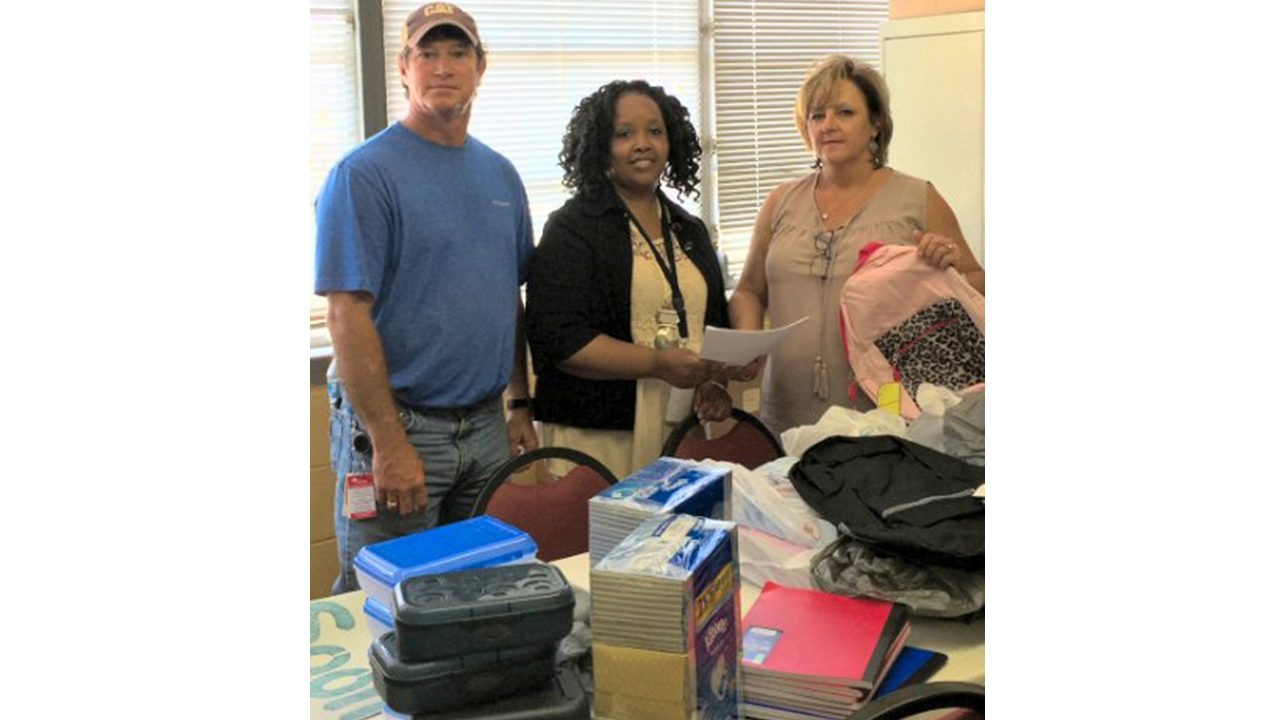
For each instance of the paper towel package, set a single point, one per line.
(666, 485)
(665, 608)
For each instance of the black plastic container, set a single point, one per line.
(469, 611)
(562, 699)
(441, 685)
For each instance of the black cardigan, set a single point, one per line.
(580, 286)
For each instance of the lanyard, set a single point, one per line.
(668, 267)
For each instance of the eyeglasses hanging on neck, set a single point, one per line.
(824, 249)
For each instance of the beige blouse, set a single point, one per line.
(811, 373)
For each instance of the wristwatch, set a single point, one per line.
(517, 403)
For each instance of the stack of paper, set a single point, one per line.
(664, 622)
(666, 485)
(809, 654)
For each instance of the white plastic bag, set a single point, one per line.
(842, 421)
(930, 429)
(764, 499)
(933, 401)
(763, 557)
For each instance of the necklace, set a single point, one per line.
(840, 203)
(843, 202)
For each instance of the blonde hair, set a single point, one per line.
(819, 86)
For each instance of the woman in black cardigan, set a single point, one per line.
(614, 332)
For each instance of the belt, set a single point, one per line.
(478, 405)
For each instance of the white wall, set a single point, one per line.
(934, 68)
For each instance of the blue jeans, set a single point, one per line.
(460, 449)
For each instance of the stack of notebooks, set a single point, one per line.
(913, 666)
(666, 485)
(809, 655)
(664, 622)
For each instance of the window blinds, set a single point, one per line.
(544, 58)
(761, 52)
(335, 116)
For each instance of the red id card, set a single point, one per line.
(362, 497)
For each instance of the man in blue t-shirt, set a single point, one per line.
(423, 240)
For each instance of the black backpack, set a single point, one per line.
(901, 497)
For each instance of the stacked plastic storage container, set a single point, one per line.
(478, 542)
(460, 632)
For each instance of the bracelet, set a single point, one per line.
(517, 403)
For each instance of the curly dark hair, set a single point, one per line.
(585, 155)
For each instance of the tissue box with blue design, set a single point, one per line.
(664, 486)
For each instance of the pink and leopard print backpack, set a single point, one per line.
(903, 320)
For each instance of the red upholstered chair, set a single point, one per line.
(748, 443)
(968, 700)
(554, 513)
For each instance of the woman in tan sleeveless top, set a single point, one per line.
(809, 232)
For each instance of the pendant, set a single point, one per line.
(668, 335)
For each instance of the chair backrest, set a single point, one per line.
(553, 513)
(749, 443)
(968, 699)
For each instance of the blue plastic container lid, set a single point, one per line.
(378, 612)
(478, 542)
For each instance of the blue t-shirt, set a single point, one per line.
(441, 237)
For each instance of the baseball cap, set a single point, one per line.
(431, 15)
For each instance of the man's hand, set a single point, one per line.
(520, 433)
(399, 479)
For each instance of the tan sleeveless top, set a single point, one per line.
(811, 373)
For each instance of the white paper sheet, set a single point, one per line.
(739, 347)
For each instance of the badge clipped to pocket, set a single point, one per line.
(361, 500)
